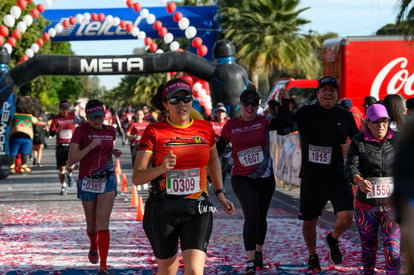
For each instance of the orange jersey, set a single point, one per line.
(191, 144)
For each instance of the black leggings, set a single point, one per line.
(254, 196)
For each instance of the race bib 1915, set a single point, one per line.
(319, 154)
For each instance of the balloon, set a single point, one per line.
(177, 16)
(148, 41)
(190, 32)
(1, 40)
(183, 23)
(51, 32)
(168, 38)
(142, 35)
(151, 19)
(129, 27)
(48, 3)
(17, 34)
(58, 28)
(22, 4)
(174, 46)
(101, 17)
(135, 31)
(8, 20)
(162, 32)
(153, 47)
(4, 31)
(24, 58)
(196, 42)
(109, 18)
(65, 24)
(171, 7)
(94, 16)
(116, 21)
(46, 36)
(11, 41)
(87, 16)
(15, 11)
(21, 26)
(8, 47)
(159, 51)
(197, 86)
(129, 3)
(28, 20)
(144, 13)
(202, 50)
(29, 53)
(34, 13)
(40, 42)
(136, 6)
(40, 7)
(122, 24)
(157, 25)
(35, 48)
(78, 18)
(187, 78)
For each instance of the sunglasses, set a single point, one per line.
(184, 98)
(384, 122)
(251, 103)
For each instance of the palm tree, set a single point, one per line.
(406, 17)
(268, 39)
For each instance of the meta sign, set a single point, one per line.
(200, 17)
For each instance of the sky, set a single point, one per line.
(345, 17)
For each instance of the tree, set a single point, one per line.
(267, 38)
(406, 13)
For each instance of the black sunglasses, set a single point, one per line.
(251, 103)
(184, 98)
(384, 122)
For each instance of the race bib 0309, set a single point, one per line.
(183, 182)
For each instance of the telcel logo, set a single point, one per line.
(111, 65)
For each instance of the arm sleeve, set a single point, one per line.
(283, 118)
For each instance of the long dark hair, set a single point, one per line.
(395, 105)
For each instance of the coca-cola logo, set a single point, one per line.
(401, 81)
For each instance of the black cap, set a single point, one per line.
(328, 80)
(249, 94)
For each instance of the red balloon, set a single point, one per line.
(4, 31)
(179, 50)
(34, 13)
(122, 24)
(129, 27)
(40, 42)
(72, 20)
(65, 24)
(202, 50)
(153, 47)
(22, 4)
(157, 25)
(197, 42)
(17, 34)
(130, 3)
(177, 16)
(173, 74)
(94, 16)
(137, 7)
(11, 41)
(101, 17)
(40, 7)
(24, 58)
(187, 78)
(1, 40)
(147, 41)
(46, 36)
(171, 7)
(162, 32)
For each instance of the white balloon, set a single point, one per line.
(174, 46)
(29, 53)
(190, 32)
(35, 48)
(116, 21)
(21, 26)
(134, 31)
(109, 18)
(15, 11)
(151, 19)
(163, 1)
(58, 28)
(159, 51)
(183, 23)
(28, 20)
(48, 3)
(144, 13)
(87, 16)
(197, 87)
(52, 32)
(142, 35)
(79, 18)
(168, 38)
(8, 47)
(8, 20)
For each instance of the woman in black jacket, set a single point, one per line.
(369, 166)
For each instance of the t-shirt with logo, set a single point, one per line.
(98, 159)
(64, 126)
(190, 143)
(137, 128)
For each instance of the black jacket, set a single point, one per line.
(369, 158)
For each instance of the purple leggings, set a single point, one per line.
(368, 223)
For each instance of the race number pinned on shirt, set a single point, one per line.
(65, 134)
(251, 156)
(382, 187)
(94, 185)
(319, 154)
(183, 182)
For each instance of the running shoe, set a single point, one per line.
(70, 180)
(258, 259)
(103, 272)
(93, 256)
(313, 264)
(335, 254)
(251, 268)
(63, 191)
